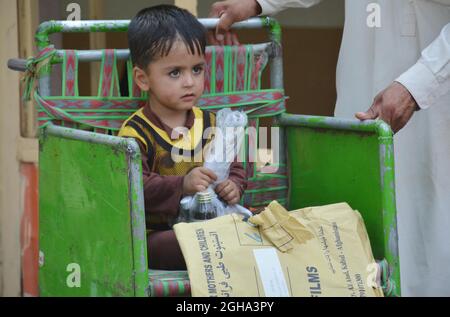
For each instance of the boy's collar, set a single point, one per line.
(190, 118)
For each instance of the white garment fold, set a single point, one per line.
(412, 47)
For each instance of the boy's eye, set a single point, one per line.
(197, 70)
(175, 73)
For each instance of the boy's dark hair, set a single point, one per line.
(153, 31)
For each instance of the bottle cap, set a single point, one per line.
(204, 196)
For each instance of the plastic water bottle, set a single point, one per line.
(185, 205)
(205, 209)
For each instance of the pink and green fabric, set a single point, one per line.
(169, 283)
(233, 80)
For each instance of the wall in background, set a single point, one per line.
(327, 14)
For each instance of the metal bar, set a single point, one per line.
(124, 54)
(50, 27)
(137, 206)
(95, 55)
(44, 81)
(276, 82)
(91, 137)
(387, 171)
(17, 64)
(377, 126)
(252, 23)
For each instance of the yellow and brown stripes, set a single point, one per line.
(160, 152)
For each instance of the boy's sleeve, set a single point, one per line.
(239, 176)
(429, 78)
(162, 194)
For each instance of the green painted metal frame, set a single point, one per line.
(384, 238)
(332, 160)
(91, 190)
(45, 29)
(52, 273)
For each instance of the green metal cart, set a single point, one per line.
(91, 209)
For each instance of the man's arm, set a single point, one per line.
(417, 88)
(429, 78)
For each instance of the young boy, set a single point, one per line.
(167, 47)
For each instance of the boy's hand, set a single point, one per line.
(198, 180)
(229, 191)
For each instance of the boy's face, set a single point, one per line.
(175, 81)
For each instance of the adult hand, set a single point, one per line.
(229, 12)
(394, 105)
